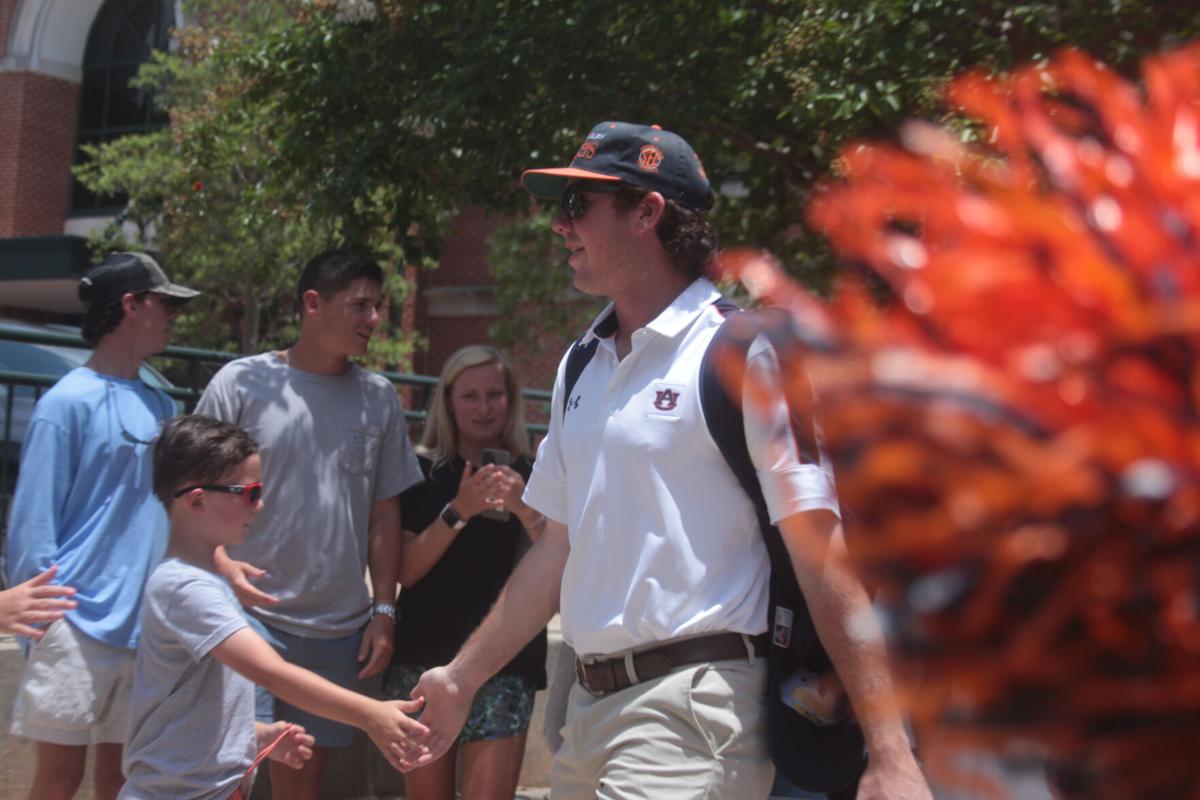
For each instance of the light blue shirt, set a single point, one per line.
(84, 499)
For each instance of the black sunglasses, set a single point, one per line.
(573, 204)
(250, 492)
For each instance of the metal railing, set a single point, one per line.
(195, 378)
(190, 369)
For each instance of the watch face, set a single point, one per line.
(451, 517)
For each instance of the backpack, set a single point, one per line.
(816, 757)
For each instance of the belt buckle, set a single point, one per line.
(582, 663)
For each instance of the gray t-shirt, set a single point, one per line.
(191, 718)
(332, 446)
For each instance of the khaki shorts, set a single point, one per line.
(74, 689)
(694, 734)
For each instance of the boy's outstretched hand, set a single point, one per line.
(34, 602)
(398, 736)
(293, 750)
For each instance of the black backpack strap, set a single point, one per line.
(582, 351)
(818, 758)
(727, 426)
(577, 359)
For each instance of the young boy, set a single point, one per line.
(192, 723)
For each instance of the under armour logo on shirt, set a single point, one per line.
(574, 402)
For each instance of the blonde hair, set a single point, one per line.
(439, 442)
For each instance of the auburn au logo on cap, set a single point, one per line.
(650, 158)
(586, 150)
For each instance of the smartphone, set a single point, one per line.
(503, 458)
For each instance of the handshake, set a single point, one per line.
(442, 701)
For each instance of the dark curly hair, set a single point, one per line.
(101, 320)
(689, 236)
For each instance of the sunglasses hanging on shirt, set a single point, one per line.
(168, 412)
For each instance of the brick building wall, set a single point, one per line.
(455, 301)
(464, 253)
(37, 139)
(457, 305)
(8, 13)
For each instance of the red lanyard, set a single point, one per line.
(238, 794)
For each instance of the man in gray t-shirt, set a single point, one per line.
(335, 459)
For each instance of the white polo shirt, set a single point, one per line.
(664, 542)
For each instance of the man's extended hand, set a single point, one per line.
(447, 704)
(239, 574)
(896, 778)
(378, 642)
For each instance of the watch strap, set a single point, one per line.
(452, 519)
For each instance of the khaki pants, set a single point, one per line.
(694, 734)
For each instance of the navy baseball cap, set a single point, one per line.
(644, 156)
(119, 273)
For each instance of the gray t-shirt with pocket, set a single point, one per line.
(332, 446)
(191, 719)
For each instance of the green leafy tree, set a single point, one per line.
(445, 103)
(381, 120)
(201, 193)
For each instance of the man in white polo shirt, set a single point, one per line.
(664, 574)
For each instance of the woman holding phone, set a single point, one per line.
(465, 528)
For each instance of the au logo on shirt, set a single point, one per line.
(664, 400)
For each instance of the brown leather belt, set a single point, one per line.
(605, 675)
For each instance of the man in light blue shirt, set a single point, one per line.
(84, 501)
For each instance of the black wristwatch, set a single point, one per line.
(451, 518)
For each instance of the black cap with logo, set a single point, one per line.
(128, 272)
(644, 156)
